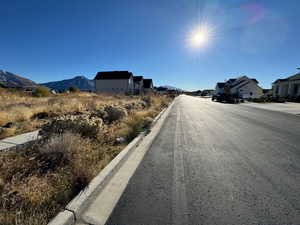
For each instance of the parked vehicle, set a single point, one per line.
(228, 98)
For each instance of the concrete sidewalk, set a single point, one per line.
(289, 107)
(18, 140)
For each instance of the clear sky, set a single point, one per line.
(47, 40)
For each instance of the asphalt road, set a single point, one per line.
(215, 163)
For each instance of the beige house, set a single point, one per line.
(114, 82)
(287, 88)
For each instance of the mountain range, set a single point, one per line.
(80, 82)
(11, 80)
(171, 88)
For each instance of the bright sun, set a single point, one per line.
(200, 37)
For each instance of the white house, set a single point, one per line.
(287, 88)
(138, 85)
(243, 87)
(114, 82)
(148, 85)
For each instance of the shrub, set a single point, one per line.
(36, 184)
(41, 92)
(148, 101)
(134, 125)
(113, 114)
(57, 127)
(259, 100)
(74, 89)
(7, 132)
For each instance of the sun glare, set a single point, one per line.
(200, 37)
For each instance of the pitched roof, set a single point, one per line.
(147, 83)
(294, 77)
(137, 78)
(279, 80)
(231, 80)
(221, 84)
(113, 75)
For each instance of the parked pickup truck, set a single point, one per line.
(229, 98)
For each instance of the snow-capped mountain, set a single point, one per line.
(11, 80)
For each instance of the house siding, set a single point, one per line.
(115, 86)
(247, 89)
(286, 89)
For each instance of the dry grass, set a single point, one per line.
(18, 107)
(37, 182)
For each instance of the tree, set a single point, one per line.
(74, 89)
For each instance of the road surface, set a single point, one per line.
(215, 163)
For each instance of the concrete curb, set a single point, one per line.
(12, 143)
(78, 204)
(65, 217)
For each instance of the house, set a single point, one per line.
(207, 92)
(114, 82)
(138, 85)
(243, 87)
(287, 88)
(148, 85)
(267, 93)
(219, 89)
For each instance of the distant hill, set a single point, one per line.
(171, 88)
(11, 80)
(80, 82)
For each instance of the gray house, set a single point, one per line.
(114, 82)
(287, 88)
(138, 85)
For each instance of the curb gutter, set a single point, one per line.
(79, 203)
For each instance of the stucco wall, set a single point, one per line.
(114, 86)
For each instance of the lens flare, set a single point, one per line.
(200, 37)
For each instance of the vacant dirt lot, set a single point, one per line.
(81, 133)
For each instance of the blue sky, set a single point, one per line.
(58, 39)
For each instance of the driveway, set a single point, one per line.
(289, 107)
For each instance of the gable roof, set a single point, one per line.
(279, 80)
(113, 75)
(221, 84)
(137, 78)
(231, 80)
(147, 83)
(294, 77)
